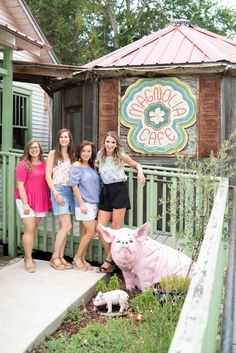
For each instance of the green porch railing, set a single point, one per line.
(198, 324)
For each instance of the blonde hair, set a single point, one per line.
(117, 153)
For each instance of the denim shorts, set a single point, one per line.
(68, 207)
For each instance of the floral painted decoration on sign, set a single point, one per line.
(158, 111)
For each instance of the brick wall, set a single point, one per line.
(208, 117)
(108, 106)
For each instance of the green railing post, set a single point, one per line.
(7, 101)
(11, 219)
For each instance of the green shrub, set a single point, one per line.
(144, 301)
(175, 283)
(114, 283)
(73, 314)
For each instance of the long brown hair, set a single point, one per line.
(57, 147)
(27, 157)
(117, 151)
(79, 148)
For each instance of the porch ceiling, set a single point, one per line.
(43, 74)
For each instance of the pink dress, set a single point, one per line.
(35, 185)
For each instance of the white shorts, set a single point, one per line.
(90, 215)
(32, 213)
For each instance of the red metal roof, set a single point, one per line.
(179, 43)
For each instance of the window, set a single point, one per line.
(21, 117)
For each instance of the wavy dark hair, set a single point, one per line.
(57, 147)
(27, 157)
(79, 149)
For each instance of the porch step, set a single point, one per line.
(34, 304)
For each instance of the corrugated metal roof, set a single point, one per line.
(181, 42)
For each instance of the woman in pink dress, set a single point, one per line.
(32, 196)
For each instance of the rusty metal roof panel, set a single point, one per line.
(179, 43)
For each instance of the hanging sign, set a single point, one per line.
(158, 111)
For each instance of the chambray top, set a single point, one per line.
(111, 172)
(87, 180)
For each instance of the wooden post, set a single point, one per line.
(7, 101)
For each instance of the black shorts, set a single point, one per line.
(114, 195)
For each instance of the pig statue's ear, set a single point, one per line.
(141, 233)
(107, 233)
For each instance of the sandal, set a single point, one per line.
(88, 265)
(78, 264)
(56, 263)
(30, 268)
(67, 264)
(108, 269)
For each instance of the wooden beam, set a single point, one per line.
(24, 45)
(7, 39)
(42, 71)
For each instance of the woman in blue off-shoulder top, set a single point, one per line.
(84, 180)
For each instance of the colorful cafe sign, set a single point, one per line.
(158, 111)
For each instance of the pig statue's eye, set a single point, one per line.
(131, 241)
(118, 241)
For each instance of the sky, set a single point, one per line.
(229, 3)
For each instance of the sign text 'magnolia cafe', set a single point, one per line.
(158, 112)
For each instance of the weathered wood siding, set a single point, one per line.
(108, 106)
(228, 111)
(209, 114)
(41, 114)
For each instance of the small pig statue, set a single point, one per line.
(116, 297)
(143, 261)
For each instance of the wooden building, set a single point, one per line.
(172, 92)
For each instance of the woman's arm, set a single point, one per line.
(23, 197)
(128, 160)
(49, 168)
(78, 197)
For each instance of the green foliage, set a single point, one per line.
(175, 283)
(81, 31)
(73, 314)
(101, 286)
(114, 283)
(197, 194)
(155, 329)
(144, 301)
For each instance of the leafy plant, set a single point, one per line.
(144, 301)
(73, 314)
(101, 286)
(196, 193)
(114, 283)
(175, 283)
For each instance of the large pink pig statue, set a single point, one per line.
(143, 260)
